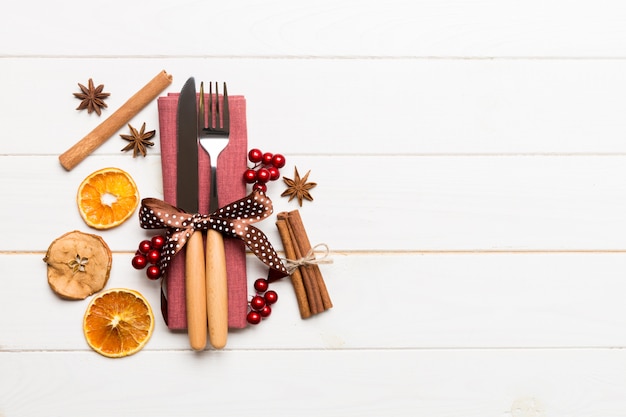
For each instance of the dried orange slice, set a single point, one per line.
(107, 198)
(118, 322)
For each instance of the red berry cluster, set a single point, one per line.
(266, 168)
(149, 252)
(261, 302)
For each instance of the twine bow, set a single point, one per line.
(232, 220)
(309, 258)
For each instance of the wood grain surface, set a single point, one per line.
(470, 158)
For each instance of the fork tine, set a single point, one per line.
(210, 124)
(201, 107)
(218, 114)
(226, 112)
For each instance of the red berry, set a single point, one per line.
(278, 160)
(249, 176)
(267, 158)
(145, 246)
(261, 285)
(253, 317)
(263, 175)
(270, 297)
(153, 256)
(265, 311)
(259, 186)
(274, 173)
(153, 272)
(255, 155)
(139, 261)
(158, 242)
(257, 302)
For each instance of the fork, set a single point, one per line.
(214, 136)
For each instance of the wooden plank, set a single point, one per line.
(335, 28)
(470, 159)
(402, 301)
(438, 383)
(348, 107)
(371, 203)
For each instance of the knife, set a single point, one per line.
(187, 199)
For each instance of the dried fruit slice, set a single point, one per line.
(107, 198)
(118, 322)
(79, 264)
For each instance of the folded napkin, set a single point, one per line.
(231, 164)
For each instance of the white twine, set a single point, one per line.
(309, 258)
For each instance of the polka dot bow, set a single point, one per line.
(232, 220)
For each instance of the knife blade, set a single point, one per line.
(187, 199)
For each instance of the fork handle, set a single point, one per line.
(195, 292)
(216, 289)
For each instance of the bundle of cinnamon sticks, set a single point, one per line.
(308, 283)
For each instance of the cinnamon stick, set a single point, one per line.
(296, 276)
(326, 301)
(310, 284)
(74, 155)
(302, 241)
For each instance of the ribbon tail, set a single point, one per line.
(261, 247)
(274, 275)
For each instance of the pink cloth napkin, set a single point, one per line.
(231, 164)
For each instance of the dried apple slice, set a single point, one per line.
(79, 264)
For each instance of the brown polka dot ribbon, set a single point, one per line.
(232, 220)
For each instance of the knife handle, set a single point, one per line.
(195, 292)
(216, 289)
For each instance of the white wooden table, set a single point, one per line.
(471, 166)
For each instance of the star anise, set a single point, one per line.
(298, 187)
(92, 98)
(139, 141)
